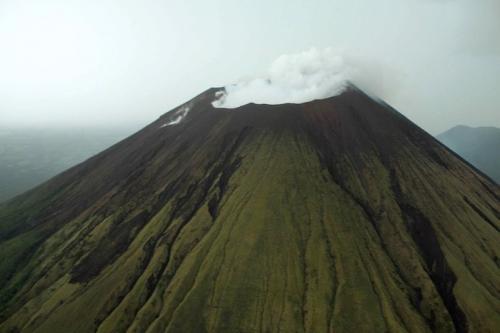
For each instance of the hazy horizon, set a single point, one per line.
(122, 63)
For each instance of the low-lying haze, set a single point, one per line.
(88, 63)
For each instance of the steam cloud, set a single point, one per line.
(295, 78)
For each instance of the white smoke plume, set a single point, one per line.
(177, 116)
(296, 78)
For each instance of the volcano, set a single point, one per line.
(336, 215)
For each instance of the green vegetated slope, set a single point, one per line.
(331, 216)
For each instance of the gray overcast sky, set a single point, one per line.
(122, 62)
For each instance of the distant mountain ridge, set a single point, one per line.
(337, 215)
(480, 146)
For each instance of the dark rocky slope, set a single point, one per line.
(334, 215)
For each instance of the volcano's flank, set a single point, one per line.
(336, 215)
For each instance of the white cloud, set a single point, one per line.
(294, 78)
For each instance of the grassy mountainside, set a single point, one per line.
(335, 215)
(478, 145)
